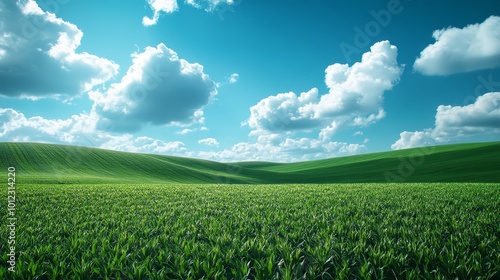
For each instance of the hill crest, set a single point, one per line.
(60, 164)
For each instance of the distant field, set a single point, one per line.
(57, 164)
(341, 231)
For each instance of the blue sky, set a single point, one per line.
(235, 80)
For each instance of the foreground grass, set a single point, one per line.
(348, 231)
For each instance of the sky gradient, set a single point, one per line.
(239, 80)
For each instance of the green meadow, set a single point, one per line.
(82, 213)
(57, 164)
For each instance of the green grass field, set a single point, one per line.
(83, 213)
(56, 164)
(343, 231)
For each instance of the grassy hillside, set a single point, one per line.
(58, 164)
(46, 163)
(472, 162)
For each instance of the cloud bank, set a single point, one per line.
(456, 50)
(79, 130)
(38, 55)
(82, 130)
(280, 148)
(455, 122)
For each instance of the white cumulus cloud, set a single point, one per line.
(457, 50)
(143, 144)
(79, 130)
(284, 112)
(159, 88)
(38, 56)
(209, 142)
(209, 5)
(278, 148)
(170, 6)
(456, 122)
(158, 6)
(415, 139)
(355, 97)
(14, 124)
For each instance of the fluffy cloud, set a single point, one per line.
(166, 6)
(209, 142)
(284, 112)
(277, 148)
(191, 130)
(456, 50)
(209, 5)
(415, 139)
(38, 54)
(70, 131)
(129, 143)
(185, 131)
(481, 116)
(170, 6)
(234, 78)
(355, 97)
(79, 130)
(455, 122)
(159, 88)
(358, 90)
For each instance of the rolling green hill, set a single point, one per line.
(58, 164)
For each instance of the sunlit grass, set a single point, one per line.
(38, 163)
(346, 231)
